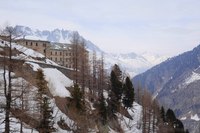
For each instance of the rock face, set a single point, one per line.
(176, 84)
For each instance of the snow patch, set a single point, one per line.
(57, 82)
(34, 65)
(195, 117)
(194, 77)
(183, 118)
(27, 51)
(132, 126)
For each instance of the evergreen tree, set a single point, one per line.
(162, 113)
(178, 126)
(116, 86)
(115, 93)
(170, 116)
(77, 97)
(117, 72)
(40, 81)
(128, 93)
(173, 122)
(103, 110)
(46, 122)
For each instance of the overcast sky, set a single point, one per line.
(159, 26)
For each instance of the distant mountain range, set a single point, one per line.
(132, 63)
(176, 84)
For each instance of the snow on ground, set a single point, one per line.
(183, 118)
(57, 82)
(135, 125)
(195, 117)
(57, 115)
(27, 51)
(48, 61)
(33, 65)
(192, 78)
(28, 54)
(14, 125)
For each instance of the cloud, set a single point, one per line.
(159, 26)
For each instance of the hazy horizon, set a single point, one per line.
(161, 27)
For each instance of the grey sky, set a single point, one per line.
(159, 26)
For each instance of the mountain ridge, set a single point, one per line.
(174, 83)
(131, 62)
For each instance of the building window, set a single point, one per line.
(26, 43)
(60, 53)
(31, 43)
(51, 52)
(55, 59)
(60, 59)
(55, 53)
(44, 45)
(70, 54)
(66, 54)
(44, 50)
(36, 44)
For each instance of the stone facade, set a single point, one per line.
(62, 56)
(37, 45)
(60, 53)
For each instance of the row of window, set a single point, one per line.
(36, 44)
(61, 63)
(69, 66)
(61, 59)
(67, 54)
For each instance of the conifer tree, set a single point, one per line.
(170, 116)
(103, 110)
(41, 83)
(115, 93)
(128, 91)
(162, 114)
(46, 122)
(173, 122)
(77, 97)
(178, 125)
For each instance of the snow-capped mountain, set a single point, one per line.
(175, 83)
(130, 62)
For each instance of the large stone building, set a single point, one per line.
(37, 45)
(61, 53)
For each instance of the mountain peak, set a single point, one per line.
(131, 62)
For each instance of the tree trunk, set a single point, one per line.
(8, 96)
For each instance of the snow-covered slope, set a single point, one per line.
(131, 62)
(58, 84)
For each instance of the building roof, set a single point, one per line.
(22, 39)
(61, 46)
